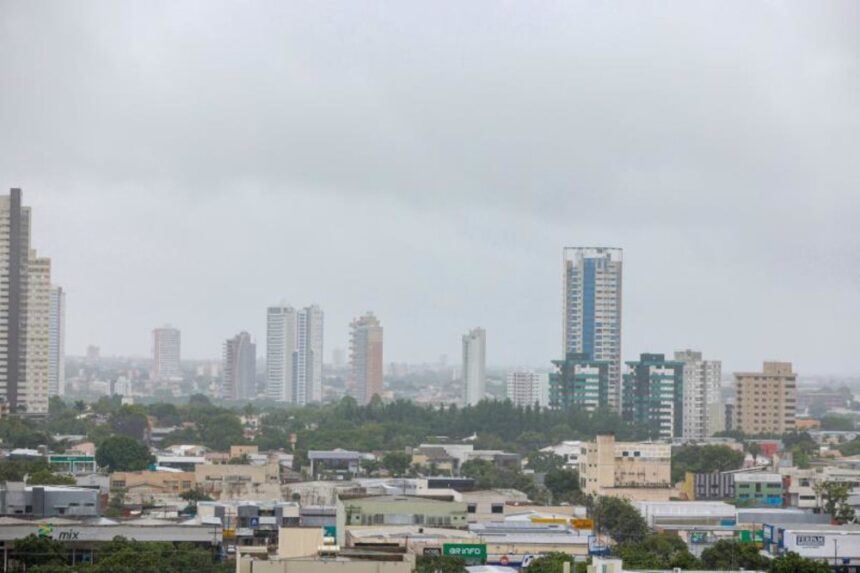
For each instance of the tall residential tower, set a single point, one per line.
(57, 343)
(704, 412)
(239, 380)
(25, 312)
(365, 353)
(294, 348)
(474, 366)
(765, 401)
(592, 309)
(166, 354)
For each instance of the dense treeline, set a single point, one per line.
(377, 426)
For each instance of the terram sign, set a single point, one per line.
(467, 551)
(809, 541)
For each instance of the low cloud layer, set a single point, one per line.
(194, 162)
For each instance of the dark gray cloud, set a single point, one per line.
(192, 162)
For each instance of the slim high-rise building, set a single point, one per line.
(294, 348)
(474, 366)
(765, 401)
(239, 380)
(527, 388)
(280, 348)
(365, 353)
(704, 413)
(57, 343)
(653, 395)
(579, 382)
(25, 307)
(592, 309)
(309, 355)
(166, 354)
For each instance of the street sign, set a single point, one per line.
(468, 551)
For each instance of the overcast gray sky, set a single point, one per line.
(194, 162)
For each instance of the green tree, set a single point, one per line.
(396, 462)
(791, 562)
(116, 504)
(129, 421)
(657, 551)
(47, 477)
(123, 454)
(563, 484)
(32, 551)
(619, 519)
(554, 563)
(441, 564)
(834, 497)
(730, 555)
(542, 462)
(704, 459)
(222, 431)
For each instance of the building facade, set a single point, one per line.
(527, 388)
(166, 354)
(592, 309)
(474, 366)
(309, 355)
(765, 401)
(365, 353)
(704, 411)
(25, 307)
(239, 380)
(635, 470)
(579, 382)
(57, 343)
(280, 350)
(654, 395)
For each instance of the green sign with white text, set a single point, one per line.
(468, 551)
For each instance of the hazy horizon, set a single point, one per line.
(193, 163)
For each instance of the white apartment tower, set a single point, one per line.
(25, 309)
(166, 354)
(527, 388)
(57, 343)
(591, 318)
(280, 348)
(294, 351)
(704, 413)
(309, 355)
(474, 366)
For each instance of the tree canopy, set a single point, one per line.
(121, 453)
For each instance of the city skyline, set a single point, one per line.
(446, 211)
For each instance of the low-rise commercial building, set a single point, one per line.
(570, 451)
(20, 500)
(250, 522)
(633, 470)
(834, 545)
(87, 535)
(143, 486)
(239, 481)
(334, 464)
(759, 489)
(676, 514)
(399, 510)
(73, 464)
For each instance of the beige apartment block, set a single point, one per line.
(143, 486)
(632, 470)
(765, 401)
(239, 481)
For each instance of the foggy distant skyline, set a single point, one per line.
(193, 163)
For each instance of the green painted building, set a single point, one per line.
(580, 382)
(652, 394)
(399, 510)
